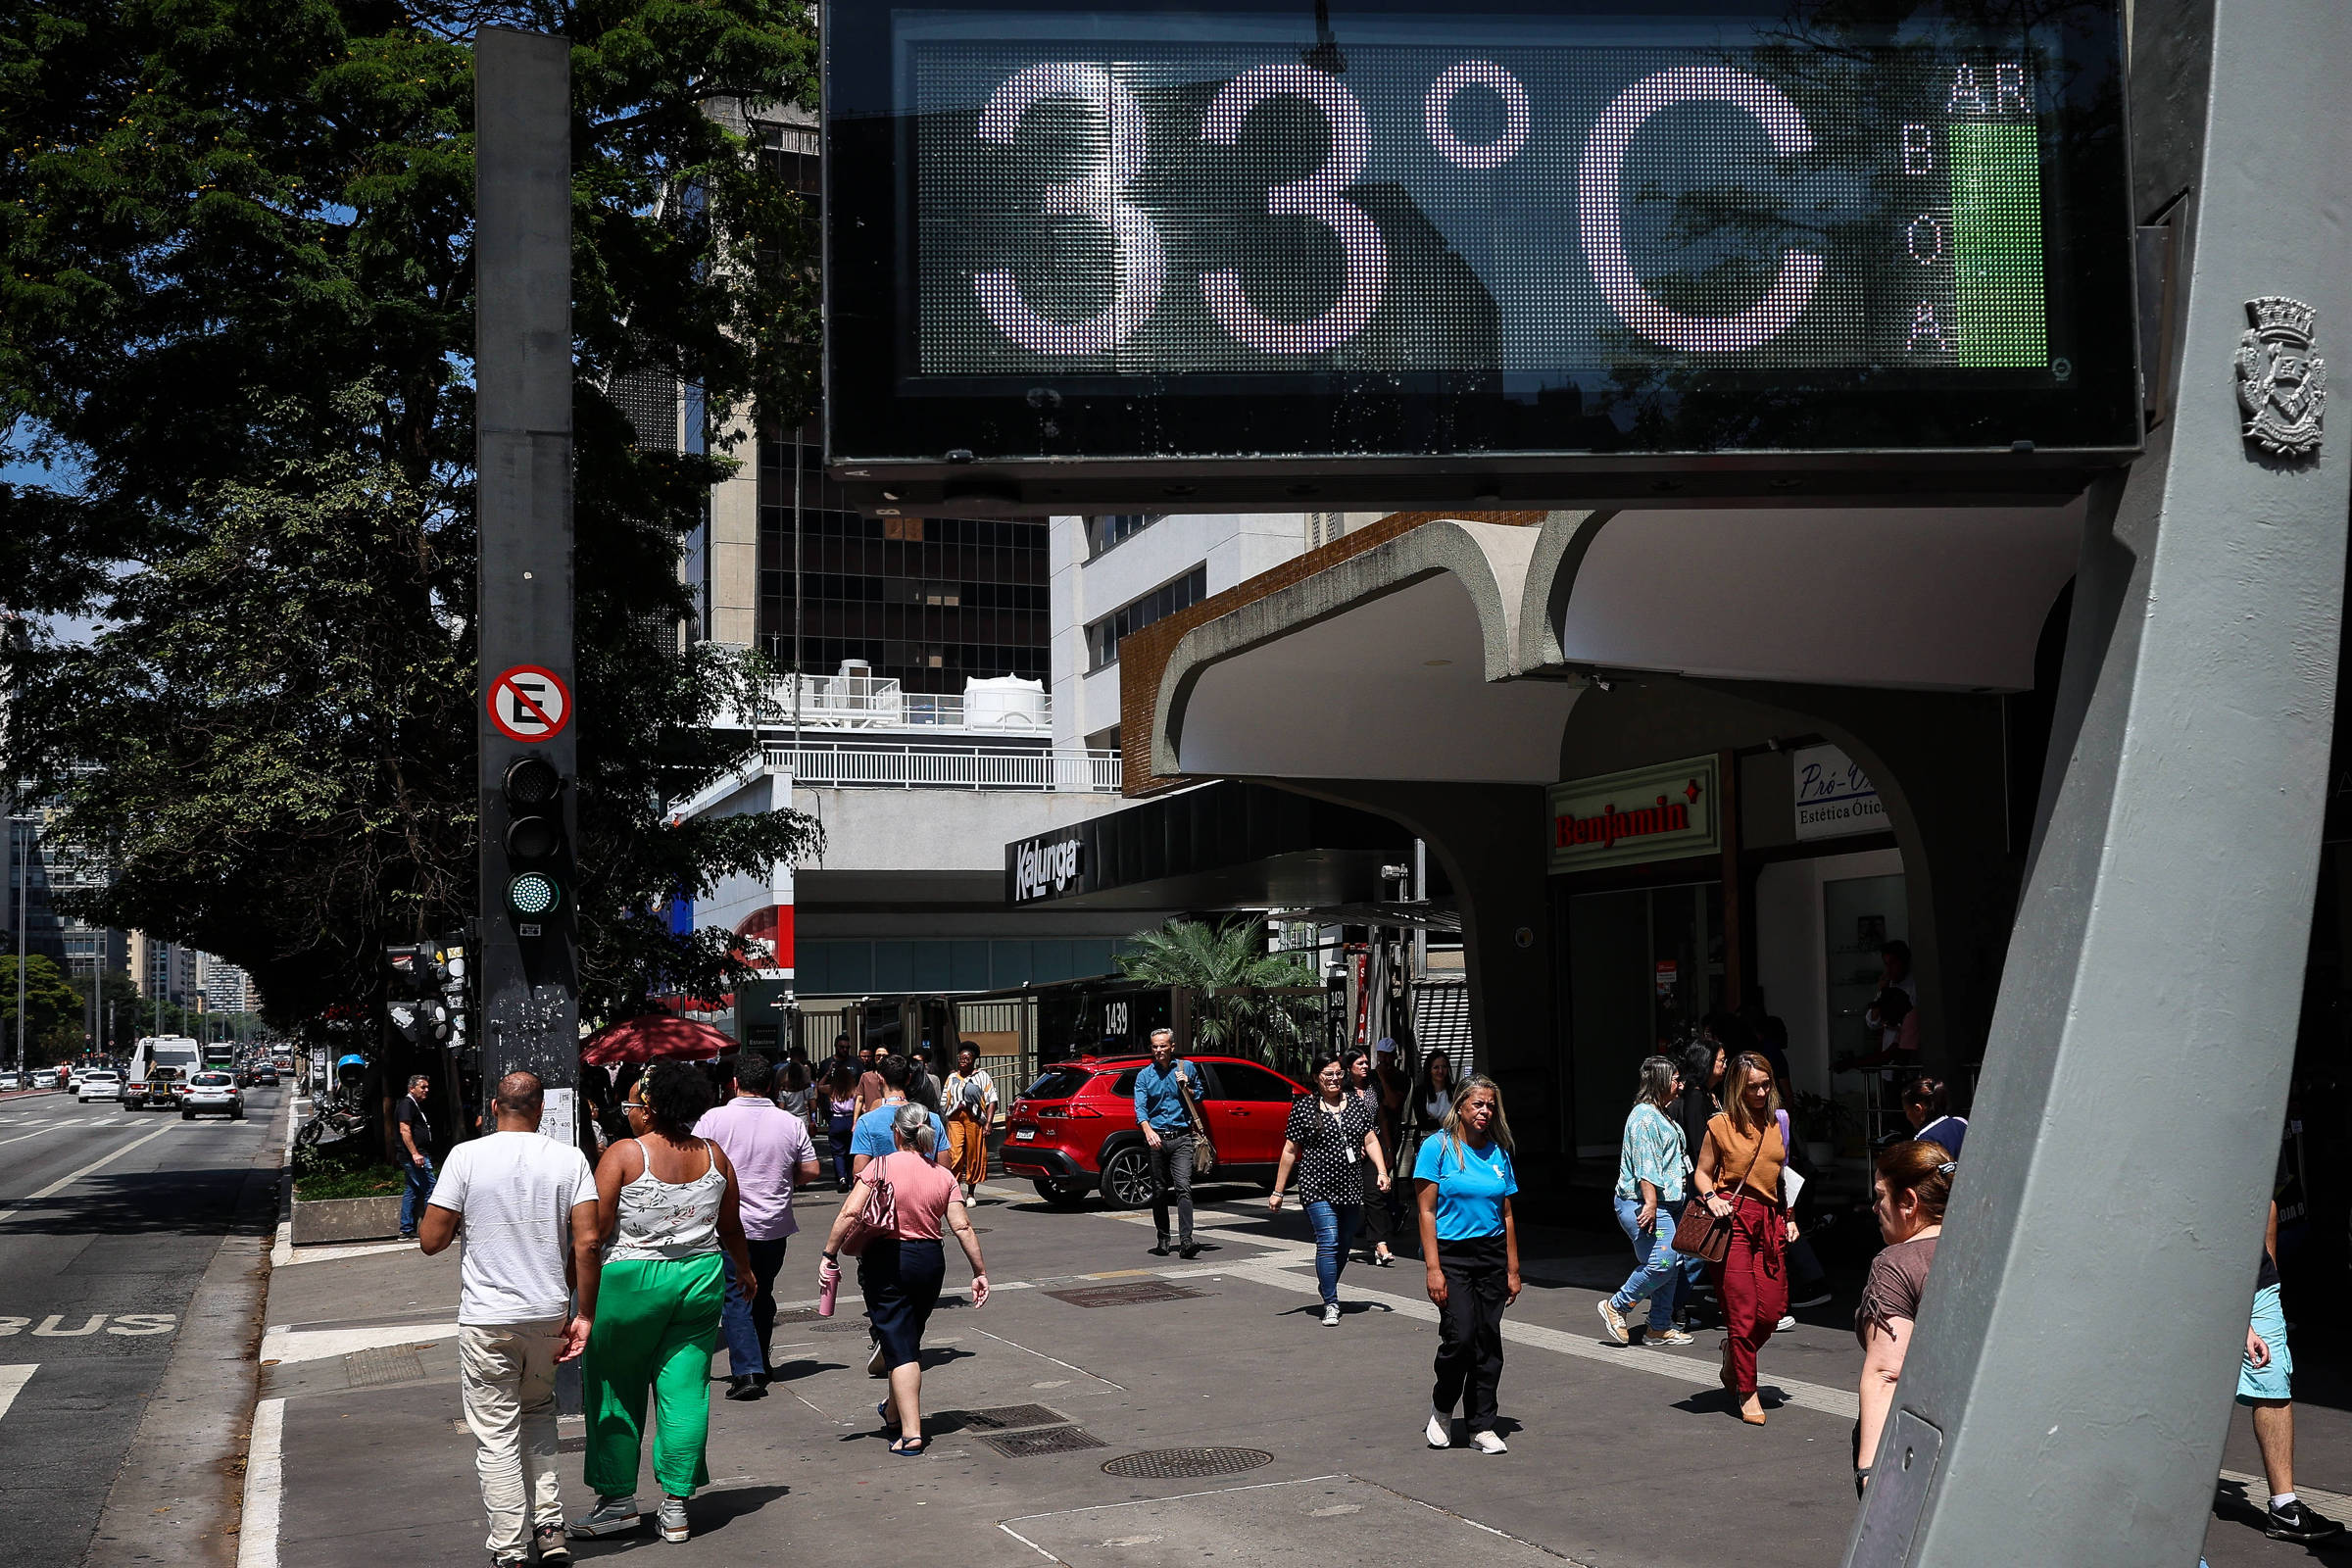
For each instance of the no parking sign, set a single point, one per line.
(529, 703)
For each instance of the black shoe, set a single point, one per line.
(2296, 1522)
(1189, 1249)
(1161, 1251)
(746, 1387)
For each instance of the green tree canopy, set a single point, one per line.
(52, 1011)
(236, 316)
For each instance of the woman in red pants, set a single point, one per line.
(1738, 1175)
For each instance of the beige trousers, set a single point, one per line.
(507, 1376)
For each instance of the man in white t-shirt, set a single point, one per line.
(528, 1205)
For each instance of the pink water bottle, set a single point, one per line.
(828, 1287)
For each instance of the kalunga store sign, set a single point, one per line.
(1042, 867)
(1646, 813)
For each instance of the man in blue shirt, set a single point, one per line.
(1168, 1130)
(870, 1137)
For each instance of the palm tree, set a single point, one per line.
(1229, 971)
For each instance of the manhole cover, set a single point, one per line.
(1124, 1295)
(1011, 1418)
(367, 1369)
(1053, 1439)
(1161, 1464)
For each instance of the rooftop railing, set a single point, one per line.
(870, 764)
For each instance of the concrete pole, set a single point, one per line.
(2068, 1383)
(522, 378)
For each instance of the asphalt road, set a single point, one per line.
(95, 1280)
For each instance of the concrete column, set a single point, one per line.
(2069, 1382)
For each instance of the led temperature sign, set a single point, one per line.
(1528, 231)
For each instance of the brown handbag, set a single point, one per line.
(1698, 1232)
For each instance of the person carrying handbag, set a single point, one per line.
(1167, 1121)
(1751, 1225)
(894, 1215)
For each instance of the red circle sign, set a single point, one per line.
(529, 703)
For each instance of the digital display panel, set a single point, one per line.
(1063, 240)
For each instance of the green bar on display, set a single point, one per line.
(2000, 300)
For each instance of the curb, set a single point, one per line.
(190, 1451)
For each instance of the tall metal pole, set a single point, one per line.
(2068, 1385)
(23, 870)
(522, 509)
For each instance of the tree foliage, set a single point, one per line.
(236, 317)
(52, 1011)
(1230, 973)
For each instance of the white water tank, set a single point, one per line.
(1006, 703)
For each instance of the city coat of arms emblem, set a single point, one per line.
(2282, 385)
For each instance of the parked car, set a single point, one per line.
(1073, 1131)
(99, 1084)
(209, 1092)
(11, 1080)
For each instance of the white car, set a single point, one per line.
(212, 1091)
(99, 1084)
(11, 1080)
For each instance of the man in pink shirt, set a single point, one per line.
(771, 1152)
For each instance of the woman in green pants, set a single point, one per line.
(667, 1202)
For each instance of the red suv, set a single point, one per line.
(1074, 1129)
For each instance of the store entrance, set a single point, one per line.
(1644, 967)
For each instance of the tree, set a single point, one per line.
(134, 1013)
(237, 315)
(52, 1011)
(1235, 981)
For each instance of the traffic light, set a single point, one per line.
(534, 838)
(409, 1002)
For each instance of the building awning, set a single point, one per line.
(1231, 845)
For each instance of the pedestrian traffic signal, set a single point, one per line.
(535, 837)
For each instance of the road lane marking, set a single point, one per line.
(264, 1486)
(12, 1381)
(63, 1181)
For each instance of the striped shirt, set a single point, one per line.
(1652, 1152)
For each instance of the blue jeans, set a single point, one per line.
(1335, 1226)
(837, 1139)
(412, 1197)
(748, 1326)
(1657, 1272)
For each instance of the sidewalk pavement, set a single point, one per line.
(360, 1456)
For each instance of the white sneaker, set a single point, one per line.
(672, 1521)
(1441, 1429)
(1613, 1321)
(1331, 1314)
(1488, 1442)
(1783, 1325)
(611, 1516)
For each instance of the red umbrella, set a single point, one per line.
(656, 1037)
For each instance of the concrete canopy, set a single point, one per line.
(1455, 652)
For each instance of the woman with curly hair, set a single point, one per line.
(666, 1203)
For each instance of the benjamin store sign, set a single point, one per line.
(1644, 814)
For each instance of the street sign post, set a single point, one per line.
(530, 970)
(1198, 252)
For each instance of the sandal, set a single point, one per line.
(909, 1447)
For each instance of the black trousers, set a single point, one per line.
(1469, 1364)
(1172, 1172)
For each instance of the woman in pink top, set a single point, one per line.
(901, 1273)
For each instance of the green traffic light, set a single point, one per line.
(533, 894)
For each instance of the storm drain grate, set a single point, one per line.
(1053, 1439)
(1163, 1464)
(367, 1369)
(856, 1325)
(1124, 1295)
(798, 1314)
(1011, 1418)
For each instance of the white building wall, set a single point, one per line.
(1234, 547)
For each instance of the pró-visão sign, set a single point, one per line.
(1835, 798)
(1069, 241)
(1044, 868)
(1646, 814)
